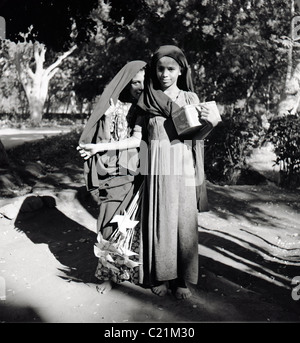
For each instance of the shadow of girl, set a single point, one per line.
(69, 242)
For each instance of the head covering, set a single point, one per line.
(154, 100)
(93, 132)
(112, 91)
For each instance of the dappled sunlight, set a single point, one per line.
(286, 251)
(250, 238)
(256, 206)
(55, 283)
(253, 268)
(256, 243)
(246, 263)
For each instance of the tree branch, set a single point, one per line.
(52, 73)
(39, 56)
(59, 60)
(29, 72)
(17, 61)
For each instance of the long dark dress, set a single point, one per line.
(169, 239)
(116, 190)
(115, 187)
(110, 176)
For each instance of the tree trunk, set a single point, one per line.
(3, 156)
(36, 110)
(290, 99)
(37, 97)
(36, 83)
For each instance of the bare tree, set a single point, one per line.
(29, 60)
(36, 83)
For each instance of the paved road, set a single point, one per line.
(13, 137)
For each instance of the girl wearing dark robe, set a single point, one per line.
(174, 187)
(110, 177)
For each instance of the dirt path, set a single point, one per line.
(249, 252)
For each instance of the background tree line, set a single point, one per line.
(240, 53)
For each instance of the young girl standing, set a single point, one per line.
(113, 119)
(169, 227)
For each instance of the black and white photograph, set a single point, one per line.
(150, 164)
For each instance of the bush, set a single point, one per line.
(284, 134)
(229, 145)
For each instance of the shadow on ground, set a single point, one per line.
(245, 267)
(69, 242)
(236, 273)
(18, 314)
(249, 203)
(253, 245)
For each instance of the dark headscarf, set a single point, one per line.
(93, 132)
(154, 100)
(111, 91)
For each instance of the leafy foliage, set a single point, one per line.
(284, 134)
(13, 98)
(237, 50)
(52, 20)
(229, 145)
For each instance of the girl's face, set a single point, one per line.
(167, 72)
(137, 84)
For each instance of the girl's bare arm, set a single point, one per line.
(88, 150)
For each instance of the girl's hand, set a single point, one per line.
(210, 114)
(88, 150)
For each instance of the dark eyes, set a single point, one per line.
(162, 69)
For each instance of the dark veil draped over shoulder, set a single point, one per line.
(91, 132)
(154, 101)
